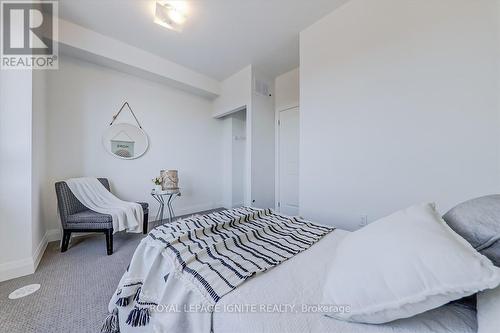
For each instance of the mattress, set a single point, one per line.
(284, 299)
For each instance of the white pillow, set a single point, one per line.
(402, 265)
(488, 311)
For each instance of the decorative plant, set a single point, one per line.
(157, 180)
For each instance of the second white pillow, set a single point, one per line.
(402, 265)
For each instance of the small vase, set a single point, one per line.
(157, 188)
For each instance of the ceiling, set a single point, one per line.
(220, 36)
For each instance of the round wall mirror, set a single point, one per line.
(125, 141)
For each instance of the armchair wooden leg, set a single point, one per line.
(109, 241)
(145, 224)
(65, 240)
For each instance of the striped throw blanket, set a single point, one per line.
(208, 256)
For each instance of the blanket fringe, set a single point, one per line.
(111, 323)
(136, 297)
(139, 317)
(123, 301)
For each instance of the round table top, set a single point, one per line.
(166, 192)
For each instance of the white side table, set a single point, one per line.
(165, 197)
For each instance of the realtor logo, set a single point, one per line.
(29, 29)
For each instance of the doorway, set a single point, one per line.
(288, 161)
(238, 163)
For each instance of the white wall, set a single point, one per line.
(83, 97)
(238, 158)
(399, 105)
(227, 158)
(15, 173)
(286, 90)
(238, 93)
(92, 46)
(235, 93)
(39, 161)
(262, 145)
(22, 171)
(234, 159)
(286, 96)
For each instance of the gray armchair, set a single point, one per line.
(75, 217)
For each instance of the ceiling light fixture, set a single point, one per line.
(171, 14)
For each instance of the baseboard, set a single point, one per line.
(27, 266)
(56, 234)
(197, 208)
(53, 235)
(188, 210)
(40, 250)
(18, 268)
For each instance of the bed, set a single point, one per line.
(294, 283)
(287, 285)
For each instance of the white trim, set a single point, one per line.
(230, 112)
(198, 208)
(294, 106)
(277, 198)
(40, 250)
(17, 268)
(53, 235)
(276, 159)
(27, 266)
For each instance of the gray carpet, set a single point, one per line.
(75, 287)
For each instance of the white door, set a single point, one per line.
(288, 161)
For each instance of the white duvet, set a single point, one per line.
(297, 282)
(300, 281)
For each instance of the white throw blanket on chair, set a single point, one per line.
(93, 195)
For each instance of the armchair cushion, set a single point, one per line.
(89, 219)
